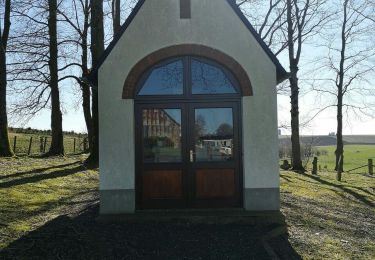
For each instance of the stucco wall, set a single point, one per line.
(213, 24)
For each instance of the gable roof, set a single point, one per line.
(280, 71)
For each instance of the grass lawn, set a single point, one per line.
(354, 156)
(48, 209)
(34, 191)
(328, 219)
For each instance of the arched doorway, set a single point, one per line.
(188, 135)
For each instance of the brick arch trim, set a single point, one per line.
(180, 50)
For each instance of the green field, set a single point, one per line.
(23, 141)
(354, 156)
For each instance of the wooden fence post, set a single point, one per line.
(315, 166)
(370, 167)
(74, 146)
(45, 144)
(30, 142)
(41, 144)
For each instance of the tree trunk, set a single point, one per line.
(5, 148)
(116, 16)
(57, 143)
(86, 93)
(339, 142)
(97, 49)
(294, 113)
(339, 167)
(86, 105)
(294, 89)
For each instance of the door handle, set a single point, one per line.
(191, 156)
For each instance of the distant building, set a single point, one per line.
(158, 123)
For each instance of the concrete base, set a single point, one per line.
(262, 199)
(117, 201)
(123, 201)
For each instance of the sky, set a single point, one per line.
(322, 124)
(325, 122)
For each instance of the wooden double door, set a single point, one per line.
(188, 155)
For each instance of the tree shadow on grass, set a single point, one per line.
(363, 190)
(82, 237)
(353, 223)
(43, 176)
(356, 195)
(285, 178)
(36, 171)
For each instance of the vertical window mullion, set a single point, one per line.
(188, 77)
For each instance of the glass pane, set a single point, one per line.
(209, 79)
(214, 134)
(164, 80)
(161, 135)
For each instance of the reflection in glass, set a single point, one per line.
(164, 80)
(214, 134)
(161, 135)
(209, 79)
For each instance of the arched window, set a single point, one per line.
(164, 79)
(210, 78)
(188, 76)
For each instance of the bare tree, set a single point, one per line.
(304, 20)
(78, 19)
(5, 148)
(97, 49)
(348, 69)
(34, 65)
(29, 78)
(269, 20)
(369, 13)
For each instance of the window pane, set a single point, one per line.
(214, 134)
(165, 80)
(209, 79)
(161, 135)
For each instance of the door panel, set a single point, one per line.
(215, 183)
(215, 164)
(188, 155)
(161, 170)
(164, 184)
